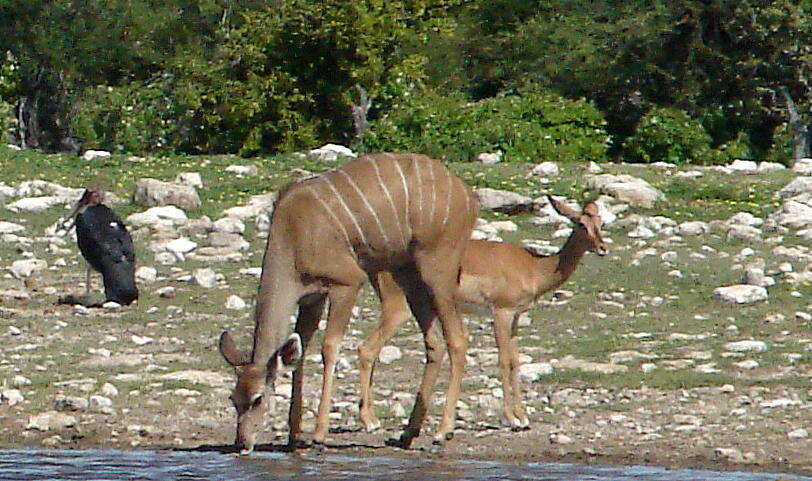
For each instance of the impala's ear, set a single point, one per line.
(564, 209)
(230, 353)
(591, 209)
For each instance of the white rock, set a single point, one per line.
(779, 403)
(242, 169)
(693, 228)
(166, 292)
(109, 390)
(798, 186)
(168, 213)
(803, 166)
(26, 267)
(741, 294)
(205, 278)
(95, 154)
(141, 340)
(146, 274)
(330, 152)
(235, 302)
(743, 166)
(230, 225)
(111, 305)
(745, 218)
(503, 200)
(35, 204)
(641, 232)
(560, 438)
(70, 403)
(747, 364)
(100, 403)
(180, 247)
(546, 169)
(50, 421)
(153, 192)
(746, 346)
(10, 227)
(189, 178)
(489, 158)
(770, 167)
(626, 188)
(794, 213)
(11, 396)
(504, 226)
(594, 168)
(390, 354)
(532, 372)
(799, 433)
(754, 276)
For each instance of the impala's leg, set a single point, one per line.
(394, 312)
(342, 299)
(306, 325)
(502, 326)
(518, 404)
(439, 269)
(421, 305)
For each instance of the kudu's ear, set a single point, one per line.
(230, 353)
(564, 209)
(591, 209)
(291, 350)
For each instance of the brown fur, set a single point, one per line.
(499, 275)
(402, 213)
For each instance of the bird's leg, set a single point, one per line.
(87, 284)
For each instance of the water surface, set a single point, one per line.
(98, 465)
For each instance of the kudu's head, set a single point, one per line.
(587, 224)
(249, 397)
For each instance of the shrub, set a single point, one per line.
(668, 135)
(530, 126)
(781, 149)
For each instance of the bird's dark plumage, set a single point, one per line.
(107, 247)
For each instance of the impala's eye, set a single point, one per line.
(256, 401)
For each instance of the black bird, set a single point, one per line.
(106, 246)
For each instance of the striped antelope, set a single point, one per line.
(402, 213)
(503, 277)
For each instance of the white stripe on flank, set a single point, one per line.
(344, 205)
(332, 214)
(448, 195)
(389, 198)
(366, 203)
(405, 192)
(433, 192)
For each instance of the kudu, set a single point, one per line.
(402, 213)
(499, 275)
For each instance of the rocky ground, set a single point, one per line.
(689, 345)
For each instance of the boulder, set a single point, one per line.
(489, 158)
(10, 227)
(242, 169)
(802, 166)
(35, 204)
(95, 154)
(390, 354)
(741, 294)
(546, 169)
(25, 267)
(50, 421)
(153, 192)
(168, 214)
(503, 201)
(205, 278)
(798, 186)
(743, 166)
(189, 178)
(625, 188)
(330, 152)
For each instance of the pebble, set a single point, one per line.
(235, 302)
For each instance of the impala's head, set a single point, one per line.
(249, 397)
(587, 224)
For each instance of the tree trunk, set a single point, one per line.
(799, 128)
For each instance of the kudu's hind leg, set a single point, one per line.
(307, 323)
(439, 269)
(421, 303)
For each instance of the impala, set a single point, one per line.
(402, 213)
(499, 275)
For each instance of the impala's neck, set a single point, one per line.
(557, 268)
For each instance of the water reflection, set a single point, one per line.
(97, 465)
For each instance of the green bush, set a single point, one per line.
(781, 149)
(669, 135)
(530, 126)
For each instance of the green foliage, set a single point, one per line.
(781, 149)
(531, 126)
(668, 135)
